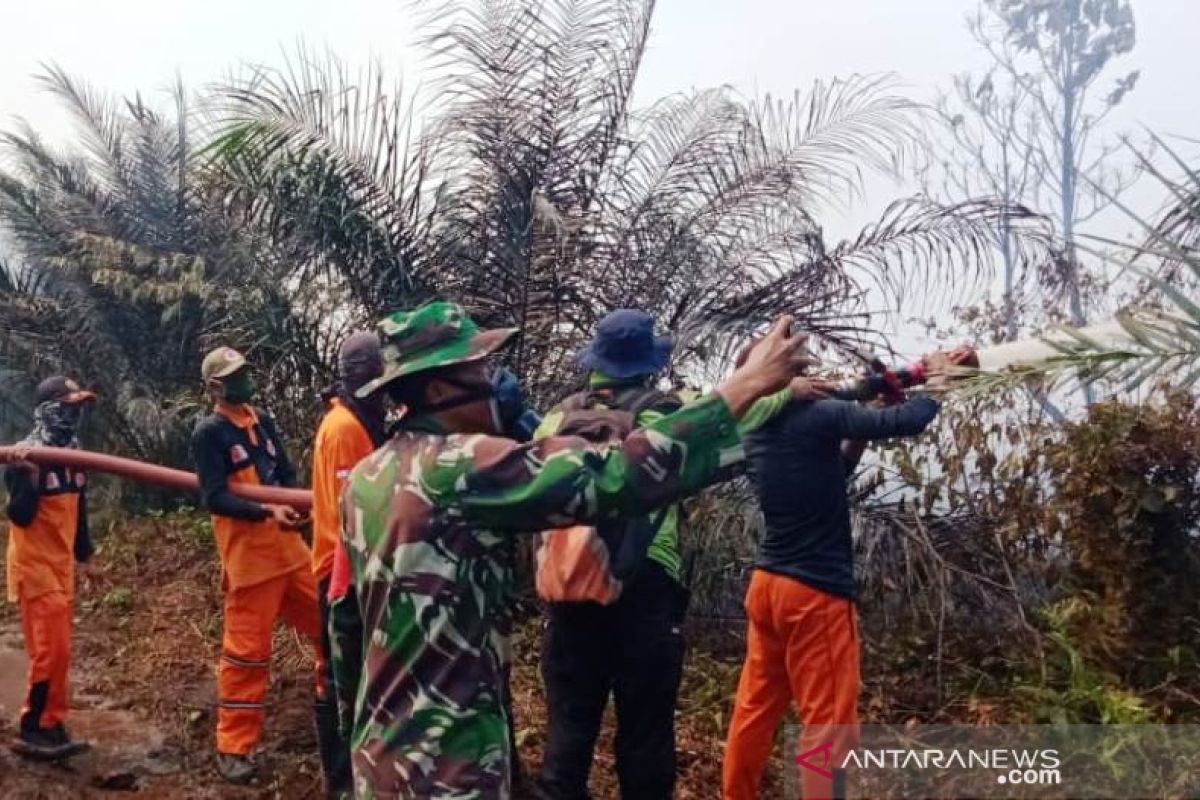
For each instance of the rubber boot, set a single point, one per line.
(335, 753)
(236, 769)
(44, 744)
(47, 744)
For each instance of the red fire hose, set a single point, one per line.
(299, 499)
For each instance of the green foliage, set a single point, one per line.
(1074, 689)
(1079, 541)
(533, 192)
(128, 269)
(1127, 506)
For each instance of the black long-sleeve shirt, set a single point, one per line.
(22, 508)
(801, 476)
(22, 496)
(214, 442)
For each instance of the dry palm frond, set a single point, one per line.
(532, 191)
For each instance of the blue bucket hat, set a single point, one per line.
(625, 346)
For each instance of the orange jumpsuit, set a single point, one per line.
(342, 441)
(802, 648)
(266, 572)
(41, 575)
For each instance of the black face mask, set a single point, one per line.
(57, 424)
(239, 388)
(510, 416)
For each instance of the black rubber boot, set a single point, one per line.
(47, 744)
(335, 755)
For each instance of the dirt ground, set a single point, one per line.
(146, 641)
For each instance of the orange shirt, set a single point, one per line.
(341, 443)
(41, 556)
(254, 552)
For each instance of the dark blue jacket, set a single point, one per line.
(797, 464)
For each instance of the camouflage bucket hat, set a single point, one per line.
(436, 334)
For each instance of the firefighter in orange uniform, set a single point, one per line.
(265, 563)
(48, 532)
(350, 431)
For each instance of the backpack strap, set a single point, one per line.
(637, 399)
(578, 401)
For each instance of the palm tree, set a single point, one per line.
(533, 192)
(125, 270)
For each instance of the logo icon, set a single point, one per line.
(238, 454)
(826, 759)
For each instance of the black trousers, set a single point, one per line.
(632, 649)
(335, 751)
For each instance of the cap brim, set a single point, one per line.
(230, 368)
(75, 398)
(484, 343)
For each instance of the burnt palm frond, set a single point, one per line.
(326, 161)
(917, 242)
(533, 193)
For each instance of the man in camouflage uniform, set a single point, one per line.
(426, 521)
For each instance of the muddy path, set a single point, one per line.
(129, 751)
(145, 644)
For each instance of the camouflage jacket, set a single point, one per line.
(426, 520)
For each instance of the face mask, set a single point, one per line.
(507, 404)
(57, 423)
(72, 415)
(238, 388)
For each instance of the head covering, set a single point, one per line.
(437, 334)
(62, 389)
(56, 416)
(625, 346)
(360, 360)
(221, 363)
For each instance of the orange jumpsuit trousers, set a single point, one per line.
(801, 647)
(41, 581)
(46, 623)
(250, 614)
(267, 574)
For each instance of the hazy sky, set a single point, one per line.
(756, 46)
